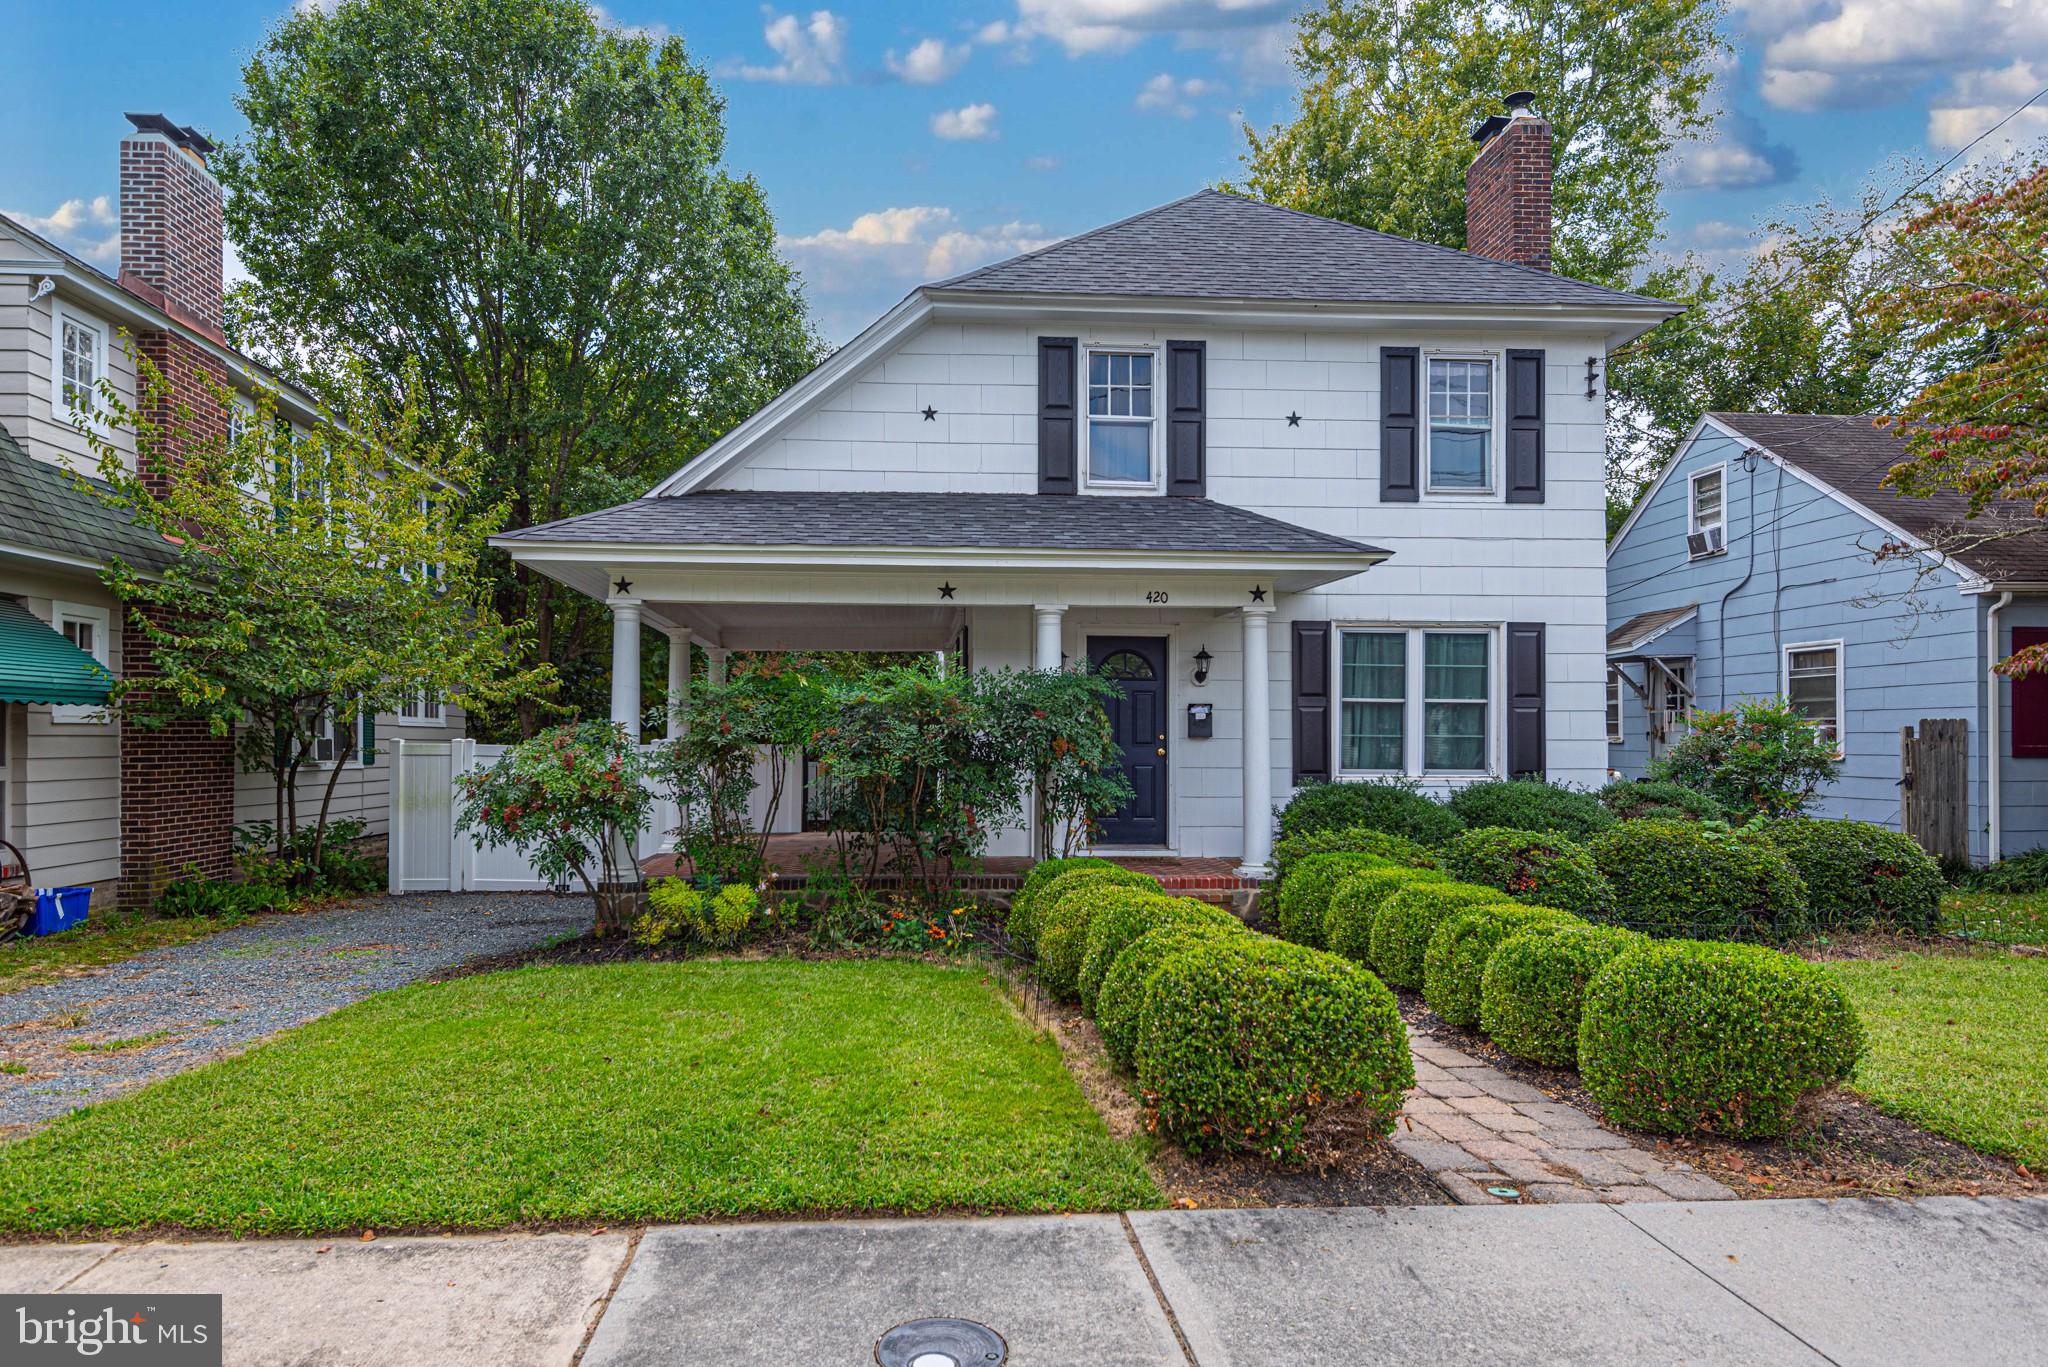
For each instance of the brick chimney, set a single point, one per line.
(1507, 187)
(171, 222)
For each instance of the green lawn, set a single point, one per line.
(106, 937)
(2000, 918)
(629, 1092)
(1958, 1044)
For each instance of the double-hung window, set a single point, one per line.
(1460, 425)
(422, 709)
(90, 629)
(1416, 700)
(79, 363)
(1813, 685)
(1122, 414)
(1707, 515)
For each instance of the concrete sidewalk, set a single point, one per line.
(1852, 1281)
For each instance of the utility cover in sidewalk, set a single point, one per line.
(941, 1343)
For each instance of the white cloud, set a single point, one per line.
(1163, 94)
(811, 51)
(89, 227)
(969, 123)
(1084, 26)
(930, 62)
(1976, 100)
(918, 243)
(657, 31)
(1045, 161)
(1739, 157)
(1822, 54)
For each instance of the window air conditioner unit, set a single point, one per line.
(1710, 541)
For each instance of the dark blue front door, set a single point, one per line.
(1137, 721)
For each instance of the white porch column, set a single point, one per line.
(1258, 743)
(626, 664)
(714, 665)
(678, 683)
(1045, 636)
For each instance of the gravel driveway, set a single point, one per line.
(176, 1008)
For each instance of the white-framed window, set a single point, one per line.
(335, 733)
(90, 629)
(1676, 678)
(1417, 700)
(1813, 681)
(423, 709)
(1123, 418)
(78, 361)
(1707, 512)
(1614, 736)
(1461, 417)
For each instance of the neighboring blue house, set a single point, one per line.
(1748, 570)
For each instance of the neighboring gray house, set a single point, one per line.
(1747, 570)
(1325, 503)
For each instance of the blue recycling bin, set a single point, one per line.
(59, 909)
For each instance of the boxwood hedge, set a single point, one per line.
(1682, 1036)
(1540, 868)
(1246, 1039)
(1524, 804)
(1859, 875)
(1634, 799)
(1410, 918)
(1120, 1002)
(1301, 901)
(1357, 902)
(1391, 805)
(1023, 903)
(1682, 878)
(1395, 849)
(1535, 987)
(1026, 913)
(1456, 960)
(1124, 914)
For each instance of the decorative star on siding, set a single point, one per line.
(946, 589)
(1259, 594)
(624, 585)
(1294, 419)
(930, 414)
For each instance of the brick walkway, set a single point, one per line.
(1475, 1127)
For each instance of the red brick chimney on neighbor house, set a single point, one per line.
(178, 781)
(1507, 187)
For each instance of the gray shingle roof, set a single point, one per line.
(43, 509)
(1011, 521)
(1645, 627)
(1213, 245)
(1852, 455)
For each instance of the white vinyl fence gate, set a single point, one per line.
(430, 853)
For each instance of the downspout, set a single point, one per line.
(1721, 611)
(1991, 764)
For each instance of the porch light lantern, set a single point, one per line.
(1202, 658)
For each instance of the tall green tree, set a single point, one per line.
(532, 207)
(1390, 94)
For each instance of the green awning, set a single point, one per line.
(39, 665)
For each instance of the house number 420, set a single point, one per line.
(1156, 596)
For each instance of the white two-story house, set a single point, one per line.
(1326, 503)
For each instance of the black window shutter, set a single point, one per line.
(1525, 427)
(1525, 700)
(1400, 449)
(1058, 369)
(1187, 387)
(1311, 702)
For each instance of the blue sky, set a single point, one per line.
(902, 141)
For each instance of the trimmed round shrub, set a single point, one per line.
(1029, 897)
(1025, 923)
(1685, 879)
(1455, 964)
(1634, 799)
(1524, 804)
(1535, 986)
(1859, 875)
(1395, 849)
(1409, 920)
(1063, 927)
(1685, 1036)
(1120, 1002)
(1124, 914)
(1357, 903)
(1391, 805)
(1300, 903)
(1530, 866)
(1245, 1039)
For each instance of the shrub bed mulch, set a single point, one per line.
(1344, 1164)
(1841, 1145)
